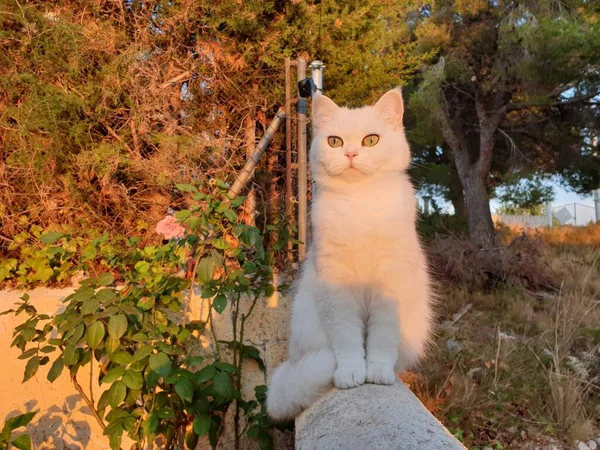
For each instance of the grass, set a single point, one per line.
(521, 368)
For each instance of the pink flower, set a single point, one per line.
(169, 228)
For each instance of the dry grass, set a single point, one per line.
(521, 369)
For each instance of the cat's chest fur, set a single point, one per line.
(358, 232)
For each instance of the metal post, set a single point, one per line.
(316, 73)
(251, 163)
(549, 214)
(597, 204)
(426, 204)
(302, 166)
(289, 194)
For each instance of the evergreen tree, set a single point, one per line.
(514, 89)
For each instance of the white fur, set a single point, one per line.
(362, 308)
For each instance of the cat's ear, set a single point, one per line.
(391, 107)
(323, 109)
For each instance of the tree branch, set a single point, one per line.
(542, 104)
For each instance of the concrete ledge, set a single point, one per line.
(371, 417)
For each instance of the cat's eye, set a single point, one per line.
(370, 140)
(335, 141)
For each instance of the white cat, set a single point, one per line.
(362, 307)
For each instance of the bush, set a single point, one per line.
(158, 383)
(519, 263)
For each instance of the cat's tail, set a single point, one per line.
(295, 386)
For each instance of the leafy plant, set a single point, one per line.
(139, 344)
(22, 442)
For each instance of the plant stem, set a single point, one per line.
(89, 403)
(91, 376)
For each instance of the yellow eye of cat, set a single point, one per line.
(335, 141)
(370, 140)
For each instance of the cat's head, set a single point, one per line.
(350, 145)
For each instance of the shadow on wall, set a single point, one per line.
(54, 430)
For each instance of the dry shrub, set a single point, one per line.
(520, 263)
(569, 390)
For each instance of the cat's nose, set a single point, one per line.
(351, 155)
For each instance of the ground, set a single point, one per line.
(516, 367)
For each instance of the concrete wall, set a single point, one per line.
(65, 422)
(371, 417)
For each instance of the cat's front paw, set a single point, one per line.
(350, 376)
(380, 373)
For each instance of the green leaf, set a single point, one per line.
(145, 303)
(22, 442)
(105, 295)
(112, 344)
(265, 440)
(31, 368)
(149, 425)
(206, 269)
(185, 389)
(115, 439)
(83, 294)
(55, 370)
(133, 380)
(223, 385)
(186, 188)
(71, 355)
(206, 374)
(117, 326)
(191, 440)
(165, 413)
(225, 367)
(195, 361)
(48, 349)
(90, 307)
(76, 334)
(201, 424)
(113, 374)
(182, 215)
(220, 303)
(142, 352)
(160, 364)
(19, 421)
(116, 394)
(106, 279)
(142, 266)
(221, 244)
(121, 357)
(253, 431)
(51, 237)
(95, 334)
(29, 353)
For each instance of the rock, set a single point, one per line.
(582, 446)
(592, 445)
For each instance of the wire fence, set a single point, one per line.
(574, 214)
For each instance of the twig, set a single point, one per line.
(6, 239)
(496, 361)
(459, 315)
(114, 134)
(181, 77)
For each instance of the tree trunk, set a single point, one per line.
(457, 196)
(479, 215)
